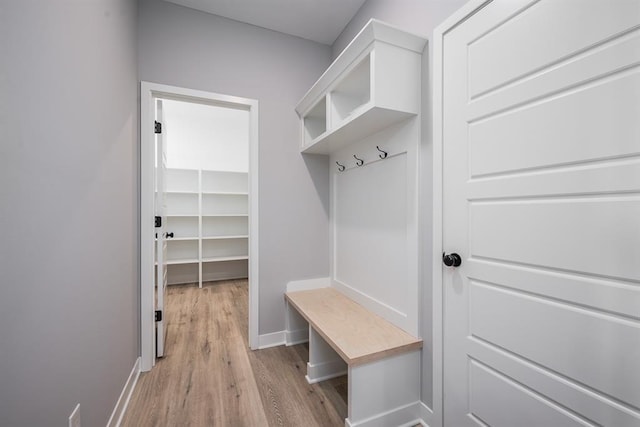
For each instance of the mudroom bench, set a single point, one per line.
(382, 361)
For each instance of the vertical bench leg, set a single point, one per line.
(385, 392)
(297, 329)
(324, 362)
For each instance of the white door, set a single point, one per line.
(541, 200)
(161, 243)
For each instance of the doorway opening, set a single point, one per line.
(198, 200)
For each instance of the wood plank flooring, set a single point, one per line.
(210, 377)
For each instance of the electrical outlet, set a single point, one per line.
(74, 418)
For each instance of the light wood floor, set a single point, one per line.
(209, 376)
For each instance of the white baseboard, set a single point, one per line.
(296, 337)
(323, 371)
(271, 340)
(426, 415)
(403, 416)
(308, 284)
(125, 395)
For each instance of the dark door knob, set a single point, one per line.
(169, 234)
(451, 260)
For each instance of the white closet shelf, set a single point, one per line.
(183, 261)
(178, 239)
(226, 193)
(224, 237)
(224, 215)
(207, 212)
(225, 258)
(373, 84)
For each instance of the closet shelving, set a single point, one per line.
(207, 212)
(369, 87)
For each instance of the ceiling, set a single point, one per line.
(318, 20)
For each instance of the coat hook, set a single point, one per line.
(384, 153)
(340, 167)
(359, 162)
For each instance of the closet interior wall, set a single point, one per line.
(207, 190)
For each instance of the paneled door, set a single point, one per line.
(161, 243)
(541, 201)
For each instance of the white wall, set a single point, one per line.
(420, 17)
(208, 137)
(68, 209)
(183, 47)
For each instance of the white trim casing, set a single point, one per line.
(123, 401)
(148, 92)
(459, 16)
(254, 288)
(426, 415)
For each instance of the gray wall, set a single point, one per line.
(420, 17)
(183, 47)
(68, 209)
(416, 16)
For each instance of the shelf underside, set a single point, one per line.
(227, 258)
(221, 237)
(195, 238)
(182, 261)
(209, 259)
(366, 123)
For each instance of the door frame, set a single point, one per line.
(148, 92)
(461, 15)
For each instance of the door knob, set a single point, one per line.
(169, 234)
(451, 260)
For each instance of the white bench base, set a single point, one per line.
(382, 393)
(324, 362)
(385, 392)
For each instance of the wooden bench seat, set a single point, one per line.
(356, 334)
(381, 360)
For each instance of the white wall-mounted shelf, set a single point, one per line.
(207, 212)
(367, 103)
(372, 85)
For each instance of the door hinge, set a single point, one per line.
(158, 315)
(157, 222)
(157, 128)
